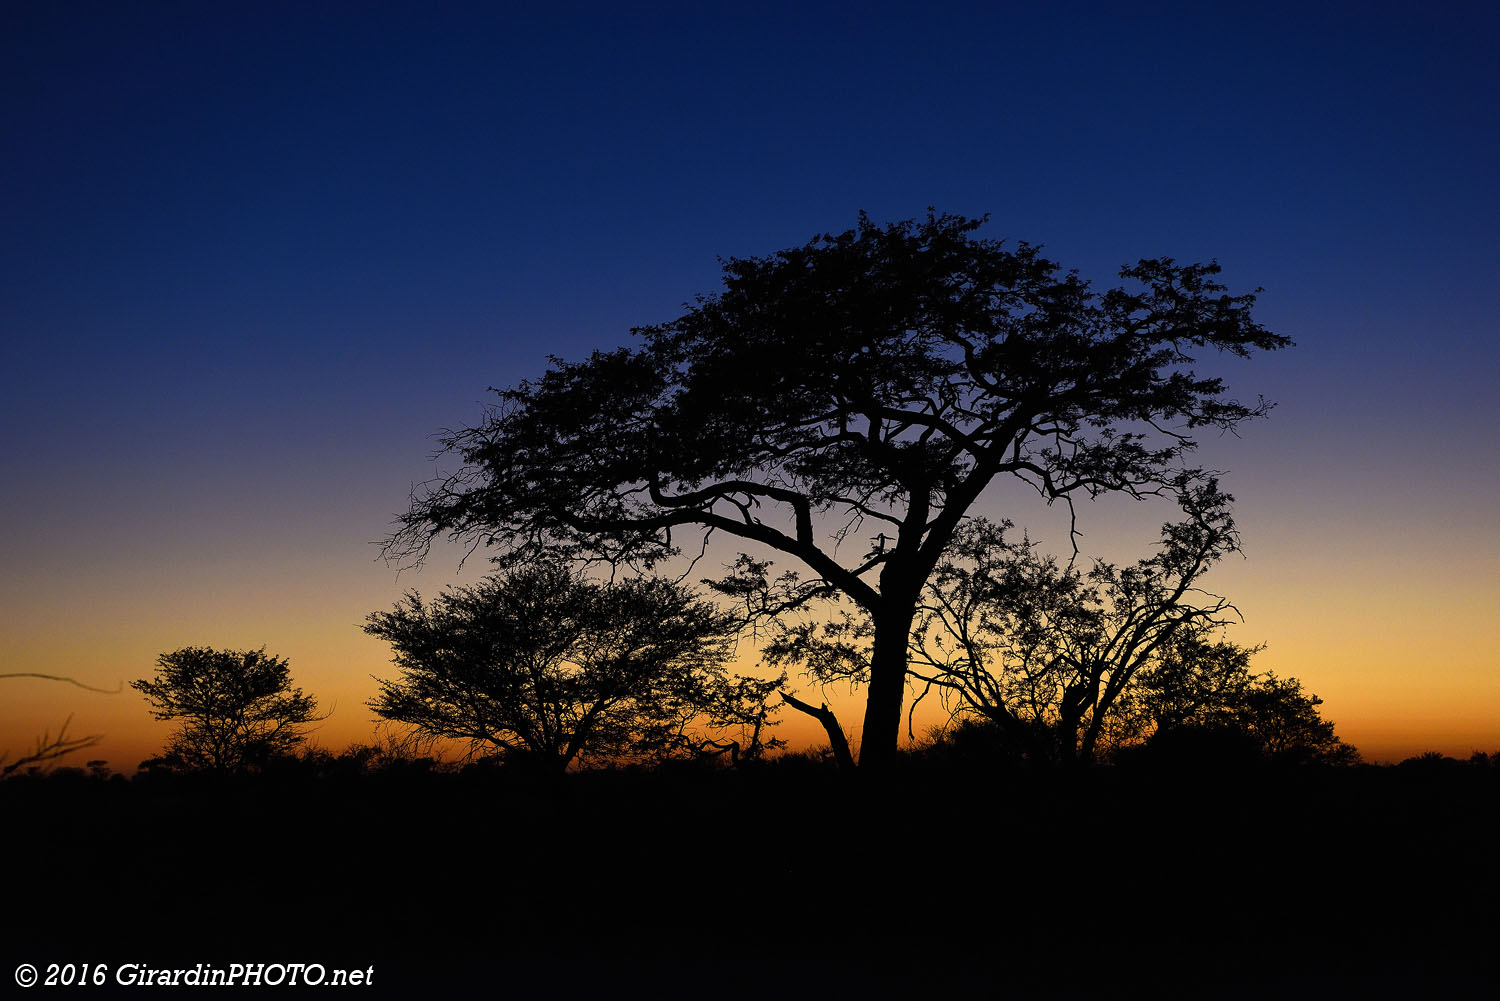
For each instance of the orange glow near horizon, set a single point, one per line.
(1398, 639)
(1358, 656)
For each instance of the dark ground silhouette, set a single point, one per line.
(1174, 880)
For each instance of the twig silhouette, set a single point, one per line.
(49, 747)
(58, 677)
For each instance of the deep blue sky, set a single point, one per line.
(252, 255)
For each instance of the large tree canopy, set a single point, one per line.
(866, 387)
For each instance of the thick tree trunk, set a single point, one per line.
(877, 749)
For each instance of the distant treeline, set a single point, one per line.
(963, 749)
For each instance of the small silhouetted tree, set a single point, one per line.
(546, 666)
(1288, 726)
(234, 709)
(1052, 654)
(846, 403)
(1202, 695)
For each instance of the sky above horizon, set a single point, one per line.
(251, 259)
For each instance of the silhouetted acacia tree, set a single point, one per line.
(234, 709)
(549, 666)
(870, 385)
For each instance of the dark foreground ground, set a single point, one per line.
(783, 881)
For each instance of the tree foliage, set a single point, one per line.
(1071, 665)
(1051, 653)
(544, 664)
(235, 709)
(1196, 702)
(1201, 693)
(846, 402)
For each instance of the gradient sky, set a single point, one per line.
(252, 256)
